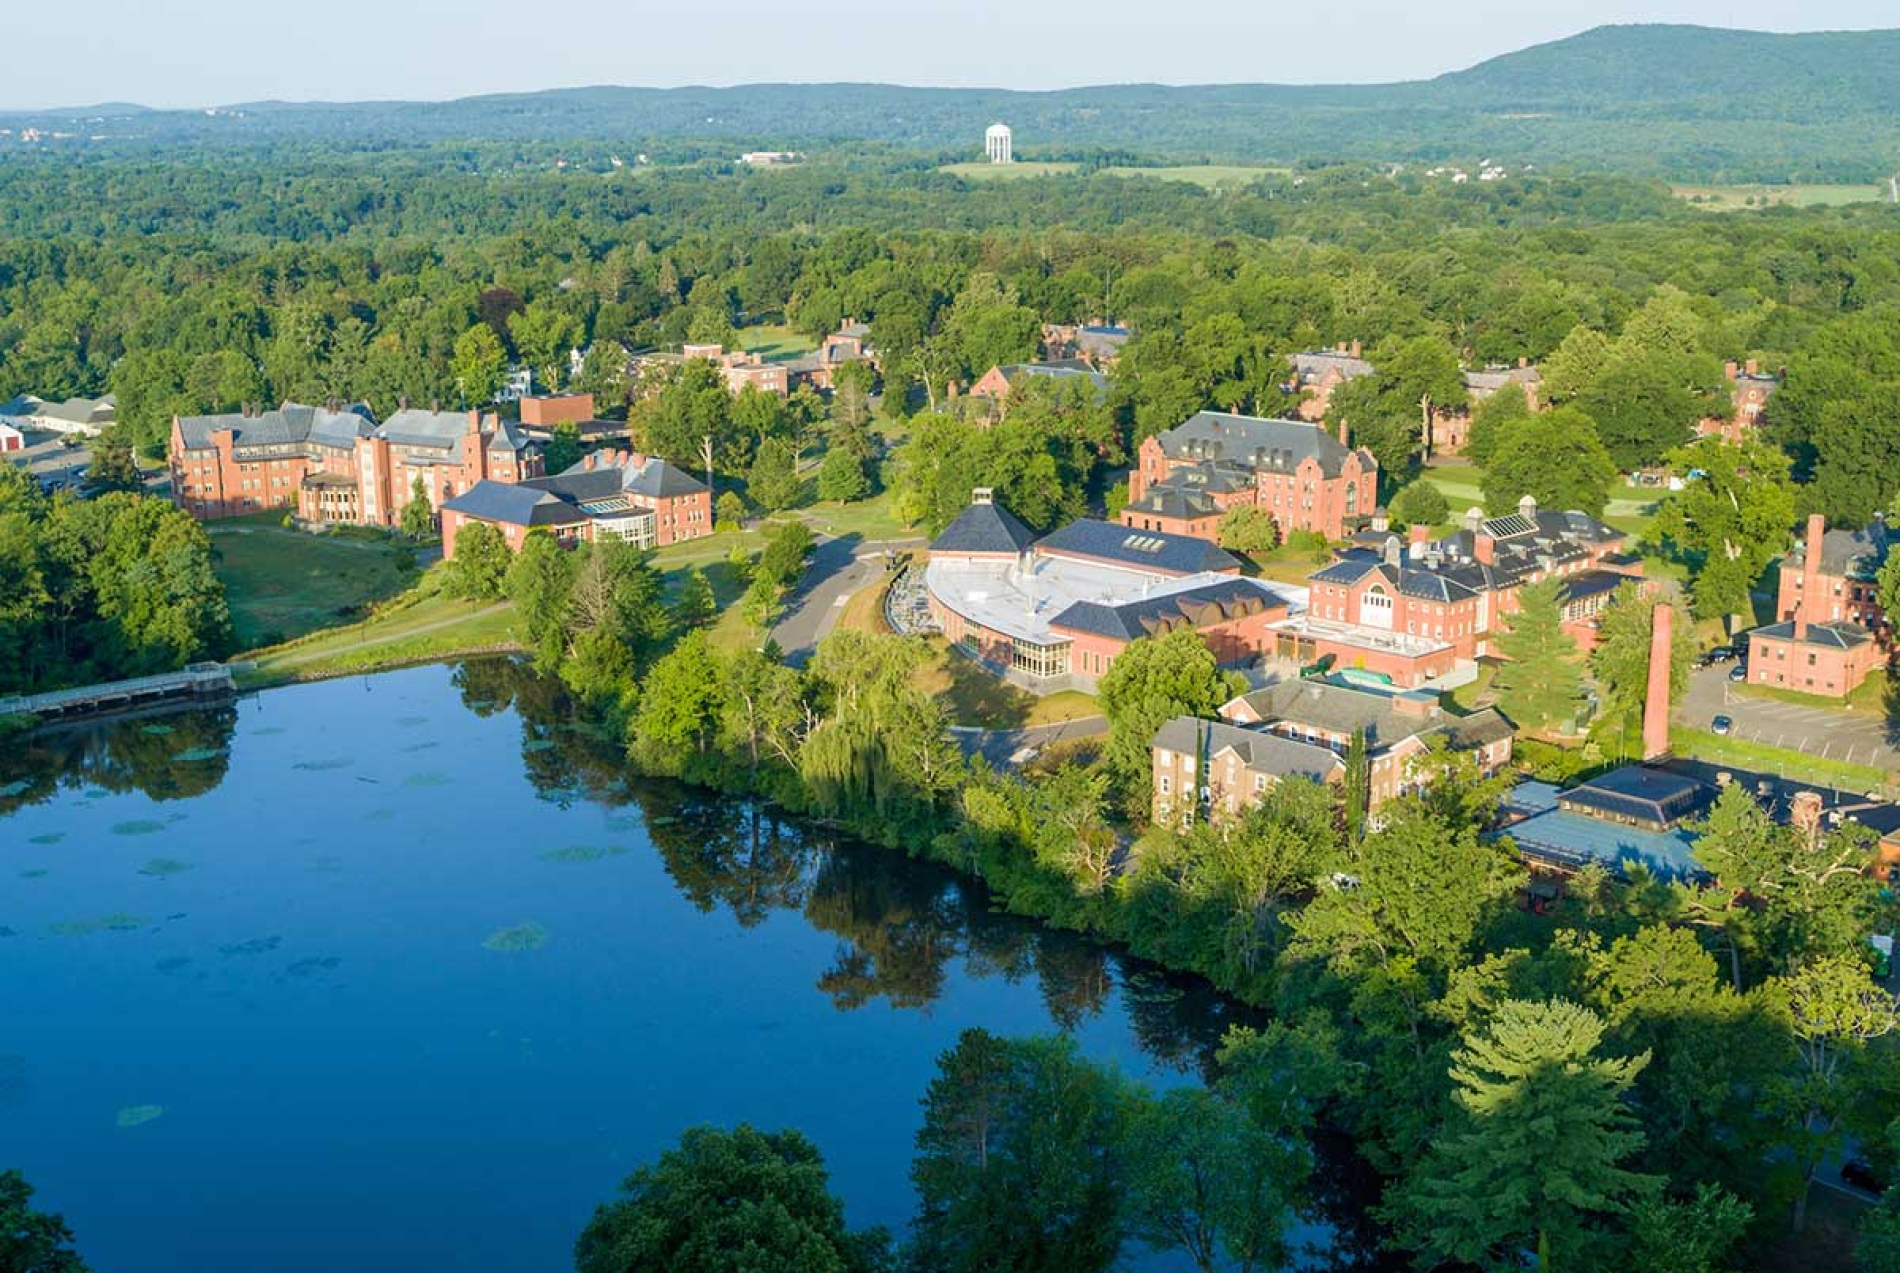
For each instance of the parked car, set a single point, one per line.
(1738, 673)
(1860, 1173)
(1721, 726)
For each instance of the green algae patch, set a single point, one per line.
(118, 922)
(321, 766)
(139, 1115)
(519, 938)
(164, 866)
(196, 754)
(582, 853)
(157, 731)
(51, 837)
(426, 780)
(138, 826)
(17, 788)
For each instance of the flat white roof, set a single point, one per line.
(998, 594)
(1361, 637)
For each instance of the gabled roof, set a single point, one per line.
(514, 505)
(1217, 601)
(1166, 500)
(1254, 443)
(1260, 752)
(1337, 709)
(292, 422)
(984, 528)
(1488, 380)
(1150, 550)
(417, 426)
(1853, 554)
(1314, 363)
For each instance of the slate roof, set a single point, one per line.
(1150, 550)
(1338, 709)
(417, 426)
(1486, 381)
(292, 422)
(1253, 443)
(984, 528)
(1222, 479)
(1168, 500)
(515, 505)
(1853, 554)
(1227, 598)
(1311, 365)
(1835, 636)
(1644, 792)
(1259, 751)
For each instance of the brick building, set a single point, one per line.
(1749, 391)
(993, 387)
(1413, 612)
(1830, 631)
(1097, 344)
(1296, 471)
(1316, 373)
(1451, 427)
(338, 465)
(1213, 770)
(546, 411)
(609, 495)
(1055, 613)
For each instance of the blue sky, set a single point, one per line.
(210, 52)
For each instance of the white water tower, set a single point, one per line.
(996, 144)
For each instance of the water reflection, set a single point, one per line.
(164, 755)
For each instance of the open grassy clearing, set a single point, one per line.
(1733, 198)
(976, 696)
(1743, 754)
(432, 627)
(282, 584)
(776, 342)
(870, 519)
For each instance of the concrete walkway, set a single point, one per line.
(838, 569)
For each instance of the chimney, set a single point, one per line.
(1656, 700)
(1523, 361)
(402, 403)
(1340, 348)
(1393, 556)
(1484, 548)
(1810, 574)
(1474, 518)
(983, 495)
(1730, 369)
(1342, 434)
(1355, 349)
(1752, 367)
(1527, 506)
(1420, 533)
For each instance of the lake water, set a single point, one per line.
(401, 973)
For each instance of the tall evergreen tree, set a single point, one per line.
(1541, 682)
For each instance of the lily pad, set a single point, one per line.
(267, 730)
(51, 837)
(138, 826)
(139, 1115)
(426, 780)
(582, 853)
(255, 946)
(410, 722)
(118, 922)
(164, 866)
(313, 966)
(200, 753)
(521, 937)
(422, 746)
(18, 787)
(539, 744)
(34, 873)
(319, 766)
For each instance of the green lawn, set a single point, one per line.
(776, 342)
(1869, 699)
(432, 627)
(870, 519)
(282, 584)
(976, 696)
(1731, 198)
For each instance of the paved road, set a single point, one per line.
(838, 568)
(1837, 735)
(999, 746)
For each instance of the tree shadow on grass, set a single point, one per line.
(977, 696)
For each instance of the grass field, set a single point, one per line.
(1868, 699)
(433, 627)
(1212, 176)
(1743, 754)
(282, 584)
(1733, 198)
(776, 342)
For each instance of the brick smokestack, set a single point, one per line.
(1656, 699)
(1342, 434)
(1810, 576)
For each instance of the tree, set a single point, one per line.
(540, 582)
(544, 333)
(1386, 411)
(1489, 419)
(724, 1201)
(1531, 1158)
(113, 467)
(1835, 1009)
(1553, 457)
(480, 365)
(679, 709)
(1018, 1164)
(1541, 681)
(1247, 528)
(1577, 363)
(728, 511)
(418, 515)
(1153, 680)
(696, 603)
(841, 477)
(1839, 415)
(1648, 401)
(1729, 520)
(772, 481)
(480, 563)
(1694, 1235)
(689, 405)
(563, 448)
(1620, 661)
(1419, 503)
(1878, 1250)
(32, 1241)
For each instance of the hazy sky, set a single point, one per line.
(209, 52)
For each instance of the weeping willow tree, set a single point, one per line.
(882, 744)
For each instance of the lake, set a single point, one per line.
(402, 972)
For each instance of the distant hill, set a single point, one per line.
(1691, 103)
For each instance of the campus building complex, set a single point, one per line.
(623, 495)
(1830, 632)
(335, 464)
(1054, 613)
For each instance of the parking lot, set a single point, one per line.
(1834, 735)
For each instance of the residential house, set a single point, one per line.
(623, 495)
(85, 417)
(337, 465)
(1302, 476)
(11, 439)
(1830, 632)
